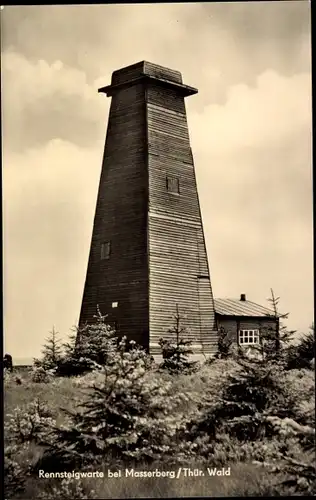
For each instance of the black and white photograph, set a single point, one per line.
(158, 274)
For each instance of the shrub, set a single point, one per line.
(10, 379)
(301, 383)
(7, 362)
(127, 415)
(301, 478)
(14, 477)
(224, 345)
(23, 428)
(41, 376)
(66, 489)
(301, 355)
(239, 410)
(28, 424)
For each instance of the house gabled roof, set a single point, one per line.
(237, 307)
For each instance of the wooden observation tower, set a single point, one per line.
(148, 251)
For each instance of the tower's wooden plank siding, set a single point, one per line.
(176, 242)
(167, 99)
(165, 203)
(121, 218)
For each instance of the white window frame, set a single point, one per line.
(249, 336)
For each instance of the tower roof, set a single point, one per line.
(145, 70)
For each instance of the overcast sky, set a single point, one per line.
(250, 129)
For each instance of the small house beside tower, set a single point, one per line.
(244, 320)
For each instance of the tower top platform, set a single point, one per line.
(145, 70)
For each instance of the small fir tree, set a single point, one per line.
(224, 344)
(176, 352)
(96, 341)
(275, 339)
(88, 347)
(51, 353)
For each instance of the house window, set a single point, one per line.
(114, 304)
(173, 185)
(248, 337)
(105, 250)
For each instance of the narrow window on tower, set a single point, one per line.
(105, 250)
(173, 185)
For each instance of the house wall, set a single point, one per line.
(232, 324)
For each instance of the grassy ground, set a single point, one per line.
(245, 479)
(60, 393)
(68, 392)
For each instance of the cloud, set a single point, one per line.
(42, 101)
(261, 116)
(49, 81)
(253, 165)
(259, 142)
(257, 21)
(236, 40)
